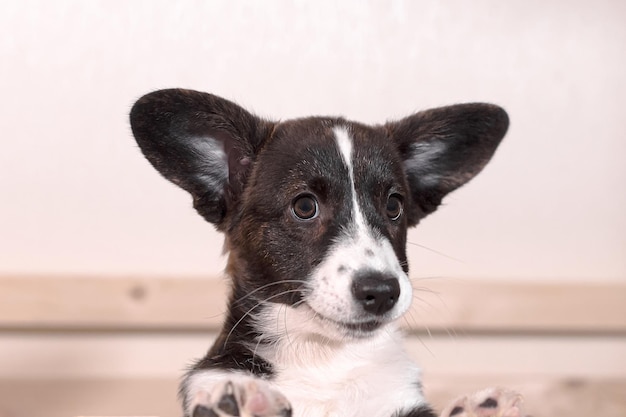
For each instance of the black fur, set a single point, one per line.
(470, 134)
(420, 412)
(171, 126)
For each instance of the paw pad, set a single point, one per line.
(493, 402)
(246, 398)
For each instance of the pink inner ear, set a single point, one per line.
(244, 161)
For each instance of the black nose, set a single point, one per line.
(376, 292)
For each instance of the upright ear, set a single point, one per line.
(200, 142)
(444, 148)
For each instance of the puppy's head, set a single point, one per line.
(315, 210)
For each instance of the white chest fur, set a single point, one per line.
(373, 377)
(324, 377)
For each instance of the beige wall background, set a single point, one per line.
(77, 197)
(100, 308)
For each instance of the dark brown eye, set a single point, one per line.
(394, 207)
(305, 207)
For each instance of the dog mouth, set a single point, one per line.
(361, 327)
(356, 328)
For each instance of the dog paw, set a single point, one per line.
(249, 398)
(492, 402)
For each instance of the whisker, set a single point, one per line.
(261, 302)
(406, 320)
(411, 326)
(436, 251)
(429, 278)
(262, 287)
(416, 326)
(423, 302)
(285, 325)
(425, 345)
(290, 340)
(256, 347)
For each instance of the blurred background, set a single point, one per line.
(110, 283)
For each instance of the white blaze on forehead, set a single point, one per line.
(344, 143)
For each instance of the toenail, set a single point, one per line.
(456, 410)
(228, 404)
(489, 403)
(202, 411)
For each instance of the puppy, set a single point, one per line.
(315, 213)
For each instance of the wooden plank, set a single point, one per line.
(111, 303)
(157, 397)
(519, 306)
(543, 397)
(193, 303)
(128, 354)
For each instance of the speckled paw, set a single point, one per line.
(252, 398)
(491, 402)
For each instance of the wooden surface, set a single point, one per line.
(157, 397)
(117, 346)
(175, 304)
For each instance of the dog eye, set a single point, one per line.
(394, 207)
(305, 207)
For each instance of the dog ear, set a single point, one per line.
(444, 148)
(200, 142)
